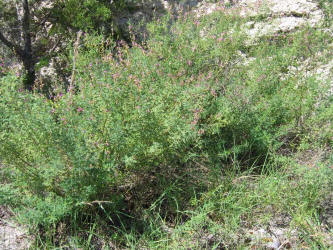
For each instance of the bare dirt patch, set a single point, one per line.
(12, 236)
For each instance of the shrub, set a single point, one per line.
(140, 113)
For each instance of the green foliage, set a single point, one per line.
(158, 124)
(82, 15)
(3, 68)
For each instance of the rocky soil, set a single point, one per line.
(12, 236)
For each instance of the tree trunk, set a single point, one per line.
(28, 59)
(30, 74)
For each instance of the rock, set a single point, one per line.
(283, 24)
(47, 74)
(278, 16)
(292, 7)
(206, 9)
(271, 238)
(298, 8)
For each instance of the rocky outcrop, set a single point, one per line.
(271, 17)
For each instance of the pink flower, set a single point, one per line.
(64, 120)
(213, 92)
(79, 109)
(201, 131)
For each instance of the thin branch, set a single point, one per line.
(55, 46)
(76, 52)
(94, 202)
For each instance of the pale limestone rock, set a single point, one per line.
(283, 24)
(291, 7)
(206, 9)
(47, 74)
(278, 16)
(278, 7)
(271, 238)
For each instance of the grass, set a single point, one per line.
(220, 217)
(176, 143)
(253, 201)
